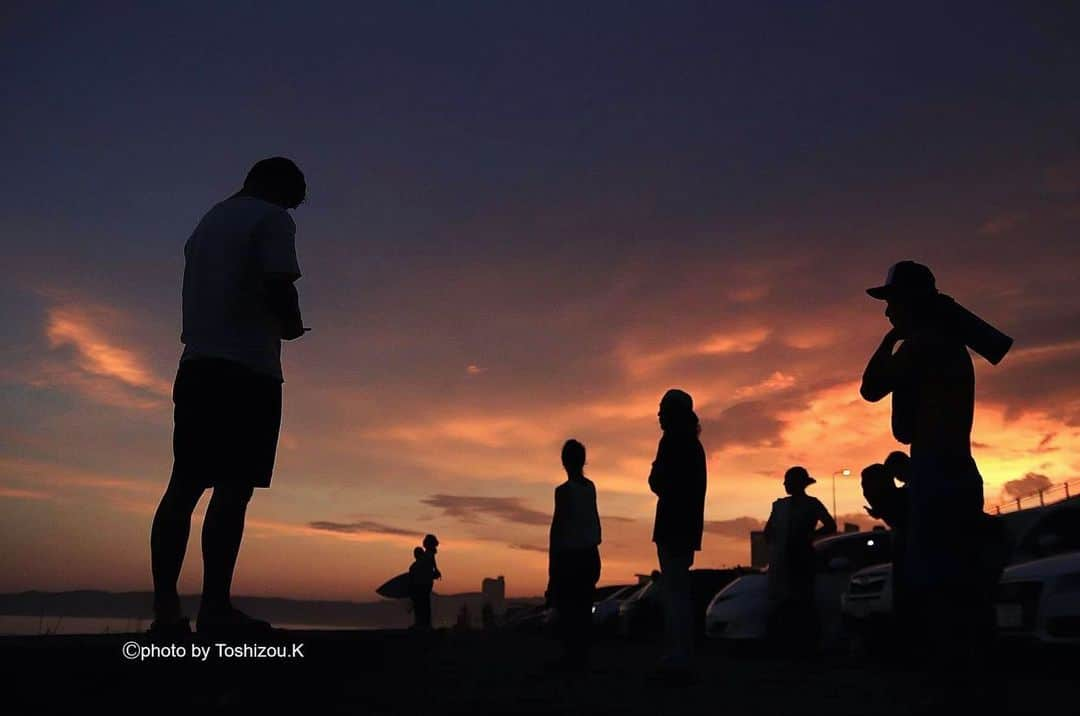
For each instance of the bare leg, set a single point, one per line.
(223, 530)
(168, 544)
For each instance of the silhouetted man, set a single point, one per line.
(239, 303)
(932, 382)
(678, 478)
(574, 556)
(790, 533)
(422, 576)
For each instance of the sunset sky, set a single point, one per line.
(525, 222)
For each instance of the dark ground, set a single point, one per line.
(387, 672)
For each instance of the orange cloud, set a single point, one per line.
(99, 354)
(99, 366)
(639, 362)
(775, 382)
(15, 493)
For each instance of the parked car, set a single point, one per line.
(741, 610)
(1041, 600)
(642, 614)
(531, 619)
(605, 611)
(1055, 531)
(541, 617)
(1034, 534)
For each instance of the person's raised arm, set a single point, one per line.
(879, 378)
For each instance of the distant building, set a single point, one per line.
(494, 594)
(759, 550)
(850, 527)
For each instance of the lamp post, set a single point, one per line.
(845, 472)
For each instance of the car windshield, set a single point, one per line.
(854, 551)
(1057, 532)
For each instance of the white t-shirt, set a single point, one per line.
(576, 522)
(232, 250)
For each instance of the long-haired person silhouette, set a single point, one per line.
(239, 303)
(678, 478)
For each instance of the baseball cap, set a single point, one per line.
(906, 278)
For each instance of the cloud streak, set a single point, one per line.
(473, 509)
(734, 528)
(363, 527)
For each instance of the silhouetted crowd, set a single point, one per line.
(239, 302)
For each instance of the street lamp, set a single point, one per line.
(845, 472)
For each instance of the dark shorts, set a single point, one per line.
(227, 419)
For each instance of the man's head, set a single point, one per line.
(908, 289)
(431, 543)
(573, 457)
(277, 180)
(877, 483)
(898, 464)
(797, 479)
(418, 552)
(677, 411)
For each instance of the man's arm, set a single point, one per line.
(828, 524)
(435, 569)
(284, 303)
(556, 519)
(274, 241)
(879, 378)
(657, 481)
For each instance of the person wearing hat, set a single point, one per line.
(924, 364)
(678, 478)
(790, 533)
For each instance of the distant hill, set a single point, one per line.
(385, 614)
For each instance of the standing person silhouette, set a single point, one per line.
(790, 533)
(678, 478)
(422, 576)
(239, 303)
(574, 557)
(932, 382)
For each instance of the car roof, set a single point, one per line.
(1045, 567)
(862, 534)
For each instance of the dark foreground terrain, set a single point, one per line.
(388, 672)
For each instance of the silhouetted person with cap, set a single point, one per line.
(574, 556)
(923, 362)
(422, 576)
(678, 478)
(790, 533)
(239, 303)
